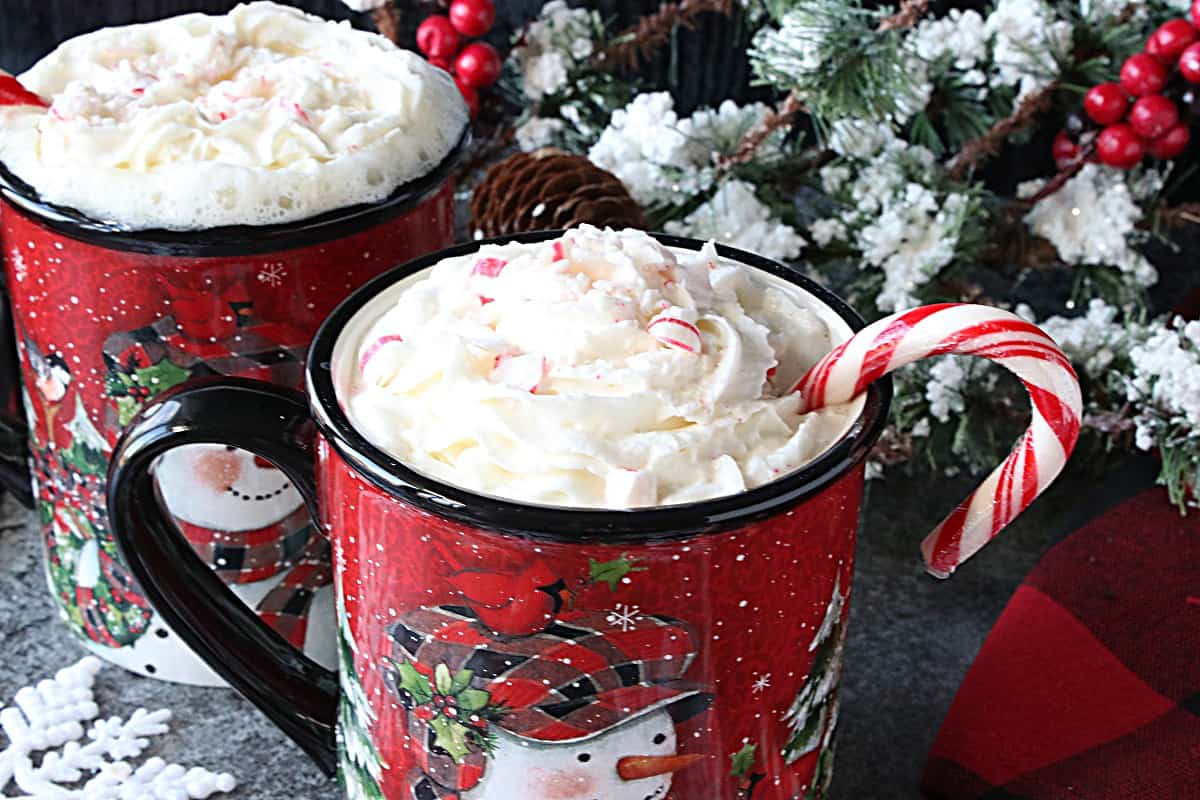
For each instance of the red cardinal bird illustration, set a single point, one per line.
(205, 309)
(513, 604)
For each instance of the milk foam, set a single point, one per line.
(600, 370)
(261, 116)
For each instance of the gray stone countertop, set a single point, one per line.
(912, 639)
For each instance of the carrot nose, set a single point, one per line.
(263, 463)
(634, 768)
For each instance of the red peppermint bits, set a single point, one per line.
(1106, 103)
(489, 267)
(1142, 74)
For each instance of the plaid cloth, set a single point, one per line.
(267, 351)
(1089, 685)
(577, 679)
(292, 545)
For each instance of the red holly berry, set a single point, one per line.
(440, 62)
(436, 37)
(1196, 12)
(1119, 146)
(1142, 74)
(1065, 151)
(469, 95)
(475, 17)
(1171, 143)
(478, 65)
(423, 713)
(450, 711)
(1106, 103)
(1189, 62)
(1153, 116)
(1171, 38)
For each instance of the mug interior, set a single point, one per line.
(333, 358)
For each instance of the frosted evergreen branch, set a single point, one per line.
(631, 47)
(771, 122)
(909, 13)
(982, 147)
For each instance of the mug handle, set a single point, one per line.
(296, 693)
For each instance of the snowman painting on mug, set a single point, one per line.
(579, 709)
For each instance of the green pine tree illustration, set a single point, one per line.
(360, 765)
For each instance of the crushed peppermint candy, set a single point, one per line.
(673, 329)
(488, 267)
(375, 347)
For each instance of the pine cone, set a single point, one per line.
(549, 189)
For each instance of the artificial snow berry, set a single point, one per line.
(478, 65)
(469, 95)
(1105, 103)
(474, 17)
(1142, 74)
(1065, 151)
(1171, 143)
(1171, 38)
(1153, 116)
(1119, 146)
(1189, 62)
(436, 37)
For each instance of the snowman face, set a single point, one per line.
(223, 488)
(586, 770)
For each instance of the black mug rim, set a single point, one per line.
(231, 240)
(559, 523)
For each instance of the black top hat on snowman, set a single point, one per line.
(583, 700)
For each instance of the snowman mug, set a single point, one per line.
(106, 318)
(493, 650)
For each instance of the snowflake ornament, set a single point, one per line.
(272, 275)
(91, 763)
(625, 617)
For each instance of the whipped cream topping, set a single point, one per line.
(599, 370)
(261, 116)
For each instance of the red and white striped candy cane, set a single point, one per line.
(972, 330)
(12, 93)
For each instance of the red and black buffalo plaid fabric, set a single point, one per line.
(1089, 685)
(576, 679)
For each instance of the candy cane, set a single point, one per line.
(12, 93)
(973, 330)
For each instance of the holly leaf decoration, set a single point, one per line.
(127, 409)
(84, 460)
(473, 699)
(161, 376)
(462, 679)
(415, 684)
(442, 679)
(451, 736)
(612, 572)
(742, 760)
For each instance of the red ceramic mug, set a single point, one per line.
(108, 319)
(689, 651)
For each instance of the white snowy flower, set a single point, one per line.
(1026, 41)
(1093, 339)
(824, 231)
(1092, 220)
(538, 132)
(560, 39)
(912, 240)
(663, 159)
(834, 177)
(736, 217)
(959, 36)
(1166, 381)
(857, 138)
(365, 5)
(944, 390)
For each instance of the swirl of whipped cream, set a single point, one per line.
(260, 116)
(598, 370)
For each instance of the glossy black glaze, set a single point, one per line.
(297, 694)
(231, 240)
(563, 524)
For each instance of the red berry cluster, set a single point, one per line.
(1150, 110)
(475, 66)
